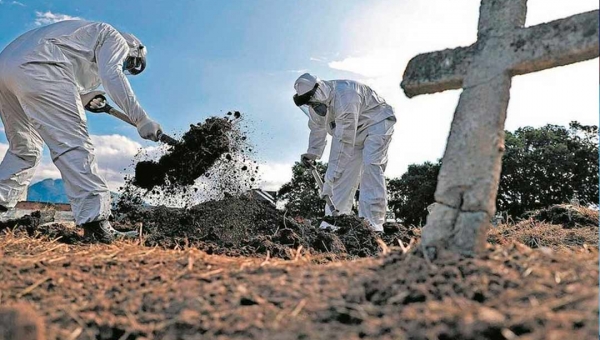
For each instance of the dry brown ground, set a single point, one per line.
(124, 291)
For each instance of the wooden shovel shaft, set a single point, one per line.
(328, 200)
(161, 136)
(118, 114)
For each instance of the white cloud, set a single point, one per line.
(46, 169)
(375, 64)
(274, 175)
(46, 18)
(115, 154)
(298, 71)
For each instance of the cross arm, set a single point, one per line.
(556, 43)
(437, 71)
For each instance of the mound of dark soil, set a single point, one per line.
(395, 233)
(355, 234)
(60, 232)
(245, 226)
(40, 225)
(26, 223)
(198, 150)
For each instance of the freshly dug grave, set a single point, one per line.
(235, 226)
(243, 226)
(232, 225)
(249, 227)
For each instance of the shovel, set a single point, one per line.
(319, 180)
(106, 108)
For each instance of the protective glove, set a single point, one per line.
(95, 104)
(308, 160)
(149, 129)
(327, 190)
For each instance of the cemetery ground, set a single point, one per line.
(538, 279)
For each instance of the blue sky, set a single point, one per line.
(206, 57)
(209, 57)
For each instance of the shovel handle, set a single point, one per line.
(106, 108)
(328, 199)
(167, 139)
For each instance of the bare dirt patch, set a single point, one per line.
(124, 291)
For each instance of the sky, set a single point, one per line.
(206, 58)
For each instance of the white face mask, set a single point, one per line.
(305, 109)
(319, 109)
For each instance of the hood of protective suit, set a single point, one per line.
(307, 81)
(136, 48)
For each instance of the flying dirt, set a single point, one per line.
(198, 150)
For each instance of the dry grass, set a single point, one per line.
(558, 227)
(537, 235)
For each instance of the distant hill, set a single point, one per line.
(52, 191)
(48, 190)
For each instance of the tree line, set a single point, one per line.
(541, 166)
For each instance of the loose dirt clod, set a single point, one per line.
(200, 148)
(20, 322)
(211, 160)
(26, 223)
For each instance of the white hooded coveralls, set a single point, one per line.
(42, 74)
(361, 124)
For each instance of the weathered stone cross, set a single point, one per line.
(470, 172)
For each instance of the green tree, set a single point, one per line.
(548, 165)
(540, 167)
(410, 194)
(301, 194)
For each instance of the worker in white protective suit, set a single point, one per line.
(42, 75)
(361, 125)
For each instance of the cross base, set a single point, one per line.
(459, 231)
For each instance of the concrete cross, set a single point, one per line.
(470, 172)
